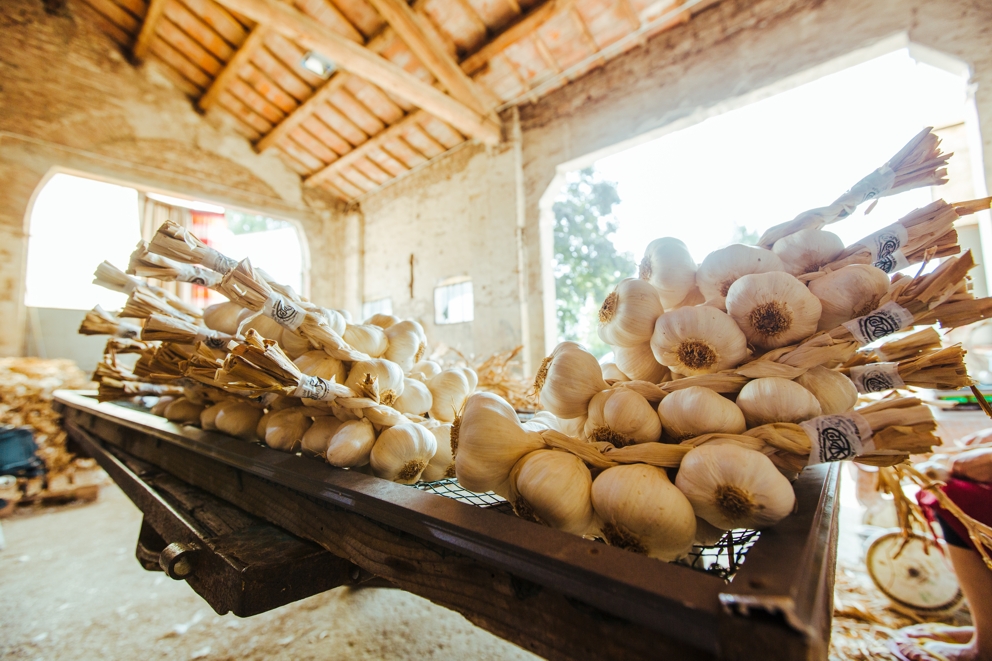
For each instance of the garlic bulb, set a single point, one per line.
(627, 316)
(316, 439)
(642, 511)
(448, 392)
(553, 488)
(367, 339)
(261, 324)
(161, 405)
(773, 309)
(670, 269)
(723, 267)
(262, 425)
(284, 429)
(222, 317)
(406, 345)
(695, 411)
(239, 420)
(383, 321)
(613, 373)
(401, 453)
(335, 319)
(318, 363)
(442, 464)
(698, 340)
(835, 392)
(351, 445)
(733, 487)
(209, 414)
(706, 533)
(574, 427)
(470, 376)
(487, 441)
(639, 364)
(294, 344)
(425, 369)
(387, 375)
(416, 398)
(849, 293)
(540, 421)
(622, 417)
(184, 412)
(773, 399)
(344, 415)
(807, 251)
(567, 380)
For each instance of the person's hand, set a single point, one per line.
(978, 438)
(974, 465)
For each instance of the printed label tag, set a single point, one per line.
(313, 387)
(886, 248)
(872, 187)
(876, 377)
(836, 437)
(212, 338)
(127, 331)
(886, 320)
(215, 261)
(199, 276)
(284, 312)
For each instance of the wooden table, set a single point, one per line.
(558, 595)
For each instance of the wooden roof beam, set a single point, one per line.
(363, 149)
(231, 70)
(144, 40)
(406, 23)
(302, 112)
(523, 26)
(366, 64)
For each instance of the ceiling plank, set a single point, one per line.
(364, 63)
(407, 25)
(360, 152)
(234, 66)
(300, 115)
(523, 26)
(147, 34)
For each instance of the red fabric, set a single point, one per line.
(974, 499)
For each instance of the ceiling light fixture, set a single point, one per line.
(318, 64)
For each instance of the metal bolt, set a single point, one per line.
(178, 560)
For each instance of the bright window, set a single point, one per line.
(453, 301)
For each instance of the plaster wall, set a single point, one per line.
(69, 101)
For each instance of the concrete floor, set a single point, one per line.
(70, 589)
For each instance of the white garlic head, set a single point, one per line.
(401, 453)
(642, 511)
(553, 488)
(627, 316)
(773, 309)
(733, 487)
(240, 420)
(622, 417)
(849, 293)
(695, 411)
(366, 338)
(567, 380)
(774, 399)
(424, 370)
(385, 374)
(406, 345)
(835, 392)
(416, 398)
(442, 464)
(316, 439)
(284, 429)
(294, 344)
(723, 267)
(318, 363)
(809, 250)
(613, 373)
(383, 321)
(449, 389)
(222, 317)
(351, 444)
(698, 340)
(639, 364)
(670, 269)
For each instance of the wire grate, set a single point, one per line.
(722, 559)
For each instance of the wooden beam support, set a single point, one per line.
(302, 113)
(233, 67)
(524, 25)
(362, 62)
(144, 40)
(407, 25)
(362, 150)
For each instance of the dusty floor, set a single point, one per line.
(70, 589)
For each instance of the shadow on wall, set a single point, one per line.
(51, 333)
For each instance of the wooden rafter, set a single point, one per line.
(233, 67)
(362, 150)
(406, 23)
(366, 64)
(144, 40)
(303, 112)
(523, 26)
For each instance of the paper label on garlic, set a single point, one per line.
(314, 387)
(886, 320)
(872, 187)
(876, 377)
(198, 276)
(215, 261)
(886, 248)
(212, 338)
(127, 331)
(283, 311)
(837, 437)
